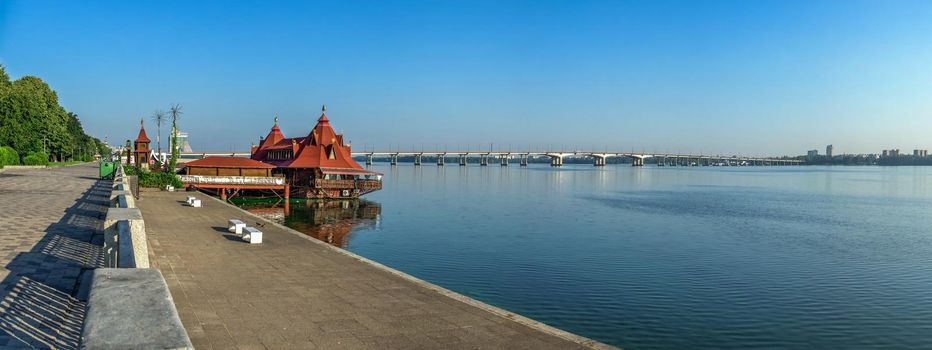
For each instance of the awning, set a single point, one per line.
(342, 171)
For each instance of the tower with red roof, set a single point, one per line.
(141, 153)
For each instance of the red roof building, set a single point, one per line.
(312, 163)
(141, 152)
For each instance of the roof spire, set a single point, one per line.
(323, 114)
(276, 120)
(140, 122)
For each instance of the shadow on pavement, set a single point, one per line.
(39, 305)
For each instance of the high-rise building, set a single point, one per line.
(828, 151)
(812, 153)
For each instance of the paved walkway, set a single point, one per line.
(48, 221)
(290, 292)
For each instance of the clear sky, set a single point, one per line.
(748, 77)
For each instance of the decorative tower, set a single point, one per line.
(141, 154)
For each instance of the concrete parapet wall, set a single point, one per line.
(125, 242)
(119, 244)
(132, 309)
(129, 305)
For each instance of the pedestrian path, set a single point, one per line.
(293, 292)
(49, 221)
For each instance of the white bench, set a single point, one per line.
(191, 199)
(196, 203)
(252, 235)
(170, 188)
(236, 226)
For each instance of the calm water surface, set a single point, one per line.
(663, 258)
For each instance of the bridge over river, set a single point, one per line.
(504, 158)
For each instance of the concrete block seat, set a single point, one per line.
(252, 235)
(196, 203)
(236, 226)
(191, 199)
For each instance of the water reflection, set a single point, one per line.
(329, 221)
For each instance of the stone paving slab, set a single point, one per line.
(291, 292)
(48, 221)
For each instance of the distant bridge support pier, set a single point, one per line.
(462, 160)
(637, 161)
(440, 159)
(524, 160)
(368, 159)
(556, 159)
(417, 159)
(598, 159)
(393, 159)
(504, 160)
(483, 160)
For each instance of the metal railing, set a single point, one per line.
(348, 184)
(231, 180)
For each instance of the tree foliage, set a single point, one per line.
(33, 121)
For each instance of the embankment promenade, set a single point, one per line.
(69, 282)
(293, 291)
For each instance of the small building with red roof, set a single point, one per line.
(141, 147)
(319, 165)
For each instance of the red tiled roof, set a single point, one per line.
(313, 151)
(228, 162)
(142, 134)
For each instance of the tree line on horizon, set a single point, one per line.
(36, 129)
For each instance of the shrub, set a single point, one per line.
(36, 158)
(8, 156)
(159, 179)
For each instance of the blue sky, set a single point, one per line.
(749, 77)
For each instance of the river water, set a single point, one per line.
(662, 257)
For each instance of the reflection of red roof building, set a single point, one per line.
(317, 161)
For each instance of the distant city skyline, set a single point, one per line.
(753, 78)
